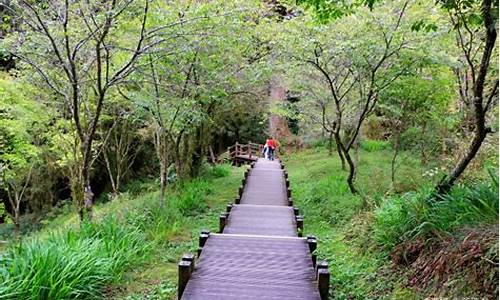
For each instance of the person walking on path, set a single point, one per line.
(270, 147)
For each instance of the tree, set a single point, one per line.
(421, 96)
(188, 85)
(120, 147)
(475, 27)
(356, 70)
(18, 154)
(76, 49)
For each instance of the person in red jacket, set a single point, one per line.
(271, 145)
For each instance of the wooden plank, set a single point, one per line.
(237, 267)
(262, 220)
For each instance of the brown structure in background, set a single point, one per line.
(278, 125)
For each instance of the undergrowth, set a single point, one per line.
(71, 264)
(94, 260)
(357, 239)
(419, 215)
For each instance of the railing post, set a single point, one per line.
(289, 192)
(290, 201)
(240, 190)
(296, 210)
(229, 206)
(249, 149)
(189, 257)
(323, 277)
(184, 275)
(222, 221)
(204, 235)
(312, 242)
(300, 224)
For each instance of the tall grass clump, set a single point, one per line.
(191, 201)
(418, 214)
(77, 264)
(374, 145)
(217, 171)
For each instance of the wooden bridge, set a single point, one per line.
(244, 153)
(259, 251)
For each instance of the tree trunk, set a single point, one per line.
(17, 215)
(352, 170)
(447, 183)
(339, 150)
(163, 181)
(397, 142)
(352, 173)
(110, 173)
(330, 144)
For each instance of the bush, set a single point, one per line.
(218, 171)
(191, 201)
(75, 264)
(374, 145)
(413, 215)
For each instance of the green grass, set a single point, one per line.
(356, 239)
(418, 215)
(132, 248)
(338, 218)
(73, 264)
(375, 145)
(129, 251)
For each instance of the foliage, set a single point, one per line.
(62, 262)
(17, 118)
(71, 264)
(191, 201)
(374, 145)
(217, 171)
(412, 215)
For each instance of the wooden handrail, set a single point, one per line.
(250, 149)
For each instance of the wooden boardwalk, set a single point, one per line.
(240, 154)
(259, 252)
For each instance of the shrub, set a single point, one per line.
(191, 200)
(374, 145)
(74, 264)
(218, 171)
(414, 215)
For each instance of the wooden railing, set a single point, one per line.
(249, 150)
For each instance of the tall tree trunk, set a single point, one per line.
(352, 170)
(339, 149)
(330, 144)
(161, 146)
(163, 181)
(110, 173)
(397, 142)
